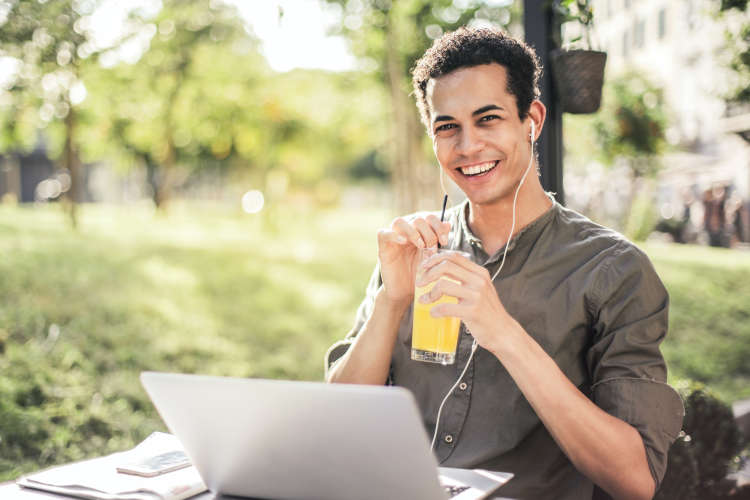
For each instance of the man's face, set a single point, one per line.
(476, 133)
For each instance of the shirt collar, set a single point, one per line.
(528, 232)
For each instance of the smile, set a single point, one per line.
(478, 169)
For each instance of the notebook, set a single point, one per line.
(308, 440)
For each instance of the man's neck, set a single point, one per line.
(491, 223)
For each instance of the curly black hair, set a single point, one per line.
(468, 47)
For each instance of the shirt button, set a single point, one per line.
(462, 386)
(448, 438)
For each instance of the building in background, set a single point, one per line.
(679, 46)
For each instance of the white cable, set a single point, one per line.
(515, 197)
(440, 409)
(502, 263)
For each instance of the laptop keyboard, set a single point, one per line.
(454, 490)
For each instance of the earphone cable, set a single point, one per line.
(474, 344)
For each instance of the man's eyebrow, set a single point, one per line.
(486, 108)
(483, 109)
(442, 118)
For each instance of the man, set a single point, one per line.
(567, 387)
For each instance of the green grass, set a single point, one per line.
(200, 290)
(709, 324)
(211, 290)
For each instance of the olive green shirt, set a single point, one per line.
(594, 303)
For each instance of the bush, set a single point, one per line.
(700, 459)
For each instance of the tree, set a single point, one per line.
(394, 34)
(187, 100)
(51, 43)
(738, 41)
(630, 128)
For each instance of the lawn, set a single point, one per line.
(709, 323)
(212, 290)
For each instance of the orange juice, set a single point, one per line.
(433, 339)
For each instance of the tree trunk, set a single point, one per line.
(73, 166)
(414, 179)
(161, 175)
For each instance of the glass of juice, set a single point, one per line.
(433, 339)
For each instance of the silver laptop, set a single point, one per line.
(308, 440)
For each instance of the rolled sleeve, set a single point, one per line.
(627, 369)
(653, 408)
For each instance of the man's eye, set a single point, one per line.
(446, 126)
(487, 118)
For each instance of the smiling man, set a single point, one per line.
(567, 386)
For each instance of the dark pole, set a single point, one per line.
(538, 25)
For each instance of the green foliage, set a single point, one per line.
(681, 478)
(709, 331)
(701, 457)
(642, 218)
(738, 41)
(399, 32)
(202, 289)
(716, 439)
(733, 4)
(210, 290)
(198, 97)
(190, 100)
(631, 123)
(580, 12)
(50, 43)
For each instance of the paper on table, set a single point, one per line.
(99, 479)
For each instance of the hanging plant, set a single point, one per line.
(577, 69)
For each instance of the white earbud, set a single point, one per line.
(532, 131)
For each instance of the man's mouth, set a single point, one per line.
(478, 169)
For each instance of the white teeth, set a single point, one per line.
(478, 169)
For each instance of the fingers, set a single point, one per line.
(449, 288)
(408, 231)
(454, 265)
(423, 232)
(429, 235)
(447, 309)
(448, 269)
(442, 229)
(388, 236)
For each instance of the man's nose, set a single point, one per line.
(469, 142)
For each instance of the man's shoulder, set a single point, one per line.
(592, 238)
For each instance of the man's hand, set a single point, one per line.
(398, 253)
(368, 360)
(586, 434)
(478, 305)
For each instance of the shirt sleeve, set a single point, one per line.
(337, 350)
(627, 369)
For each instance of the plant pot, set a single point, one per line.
(579, 77)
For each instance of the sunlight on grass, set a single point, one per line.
(204, 289)
(209, 289)
(709, 327)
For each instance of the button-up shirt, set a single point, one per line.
(594, 303)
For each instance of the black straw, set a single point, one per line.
(442, 213)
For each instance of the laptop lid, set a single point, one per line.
(283, 439)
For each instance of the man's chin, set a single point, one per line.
(488, 199)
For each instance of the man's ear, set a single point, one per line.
(537, 113)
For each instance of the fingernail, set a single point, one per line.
(401, 240)
(443, 239)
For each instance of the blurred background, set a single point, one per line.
(195, 186)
